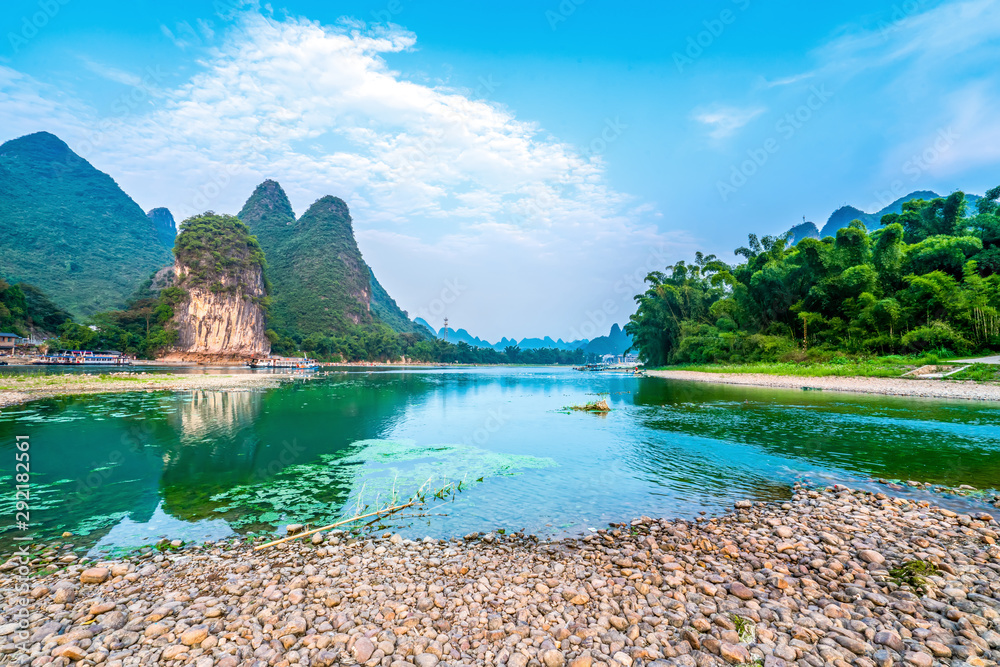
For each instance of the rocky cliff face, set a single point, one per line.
(220, 269)
(228, 324)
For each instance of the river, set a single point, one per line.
(124, 470)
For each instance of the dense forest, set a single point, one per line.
(377, 342)
(928, 279)
(25, 309)
(143, 329)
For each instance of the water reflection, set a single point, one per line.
(117, 467)
(946, 442)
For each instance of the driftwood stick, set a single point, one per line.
(387, 510)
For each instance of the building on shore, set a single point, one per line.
(8, 341)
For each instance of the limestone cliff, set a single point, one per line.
(220, 268)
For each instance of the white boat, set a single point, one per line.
(295, 363)
(84, 358)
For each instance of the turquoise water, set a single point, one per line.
(127, 469)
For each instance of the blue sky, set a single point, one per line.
(518, 167)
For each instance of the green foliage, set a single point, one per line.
(142, 329)
(979, 373)
(69, 229)
(218, 252)
(24, 308)
(912, 574)
(379, 343)
(928, 280)
(320, 283)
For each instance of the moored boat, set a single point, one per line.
(84, 358)
(295, 363)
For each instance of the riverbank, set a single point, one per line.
(831, 577)
(897, 386)
(17, 389)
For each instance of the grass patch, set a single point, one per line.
(745, 628)
(836, 366)
(979, 373)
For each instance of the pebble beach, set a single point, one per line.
(829, 577)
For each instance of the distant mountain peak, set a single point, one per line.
(165, 225)
(843, 216)
(332, 205)
(320, 282)
(38, 141)
(55, 204)
(268, 203)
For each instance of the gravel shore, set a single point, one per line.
(812, 581)
(976, 391)
(15, 390)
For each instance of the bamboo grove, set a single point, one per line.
(928, 279)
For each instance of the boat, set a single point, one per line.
(591, 367)
(84, 358)
(294, 363)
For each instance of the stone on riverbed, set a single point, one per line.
(804, 582)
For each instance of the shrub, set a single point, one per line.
(935, 336)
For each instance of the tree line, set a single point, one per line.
(143, 329)
(927, 279)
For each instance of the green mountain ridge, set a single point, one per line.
(843, 216)
(320, 281)
(66, 222)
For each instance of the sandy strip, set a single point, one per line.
(14, 391)
(976, 391)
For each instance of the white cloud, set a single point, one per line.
(111, 73)
(724, 121)
(916, 94)
(438, 183)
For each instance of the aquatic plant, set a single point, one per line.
(911, 574)
(600, 406)
(377, 475)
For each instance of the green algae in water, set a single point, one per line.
(378, 472)
(44, 497)
(94, 523)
